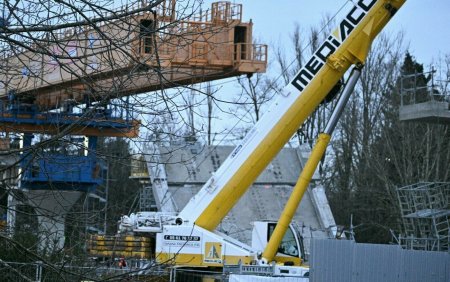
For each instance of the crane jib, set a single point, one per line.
(312, 67)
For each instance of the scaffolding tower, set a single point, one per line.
(139, 172)
(424, 206)
(425, 209)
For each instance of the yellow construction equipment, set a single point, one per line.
(189, 238)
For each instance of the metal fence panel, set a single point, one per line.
(426, 266)
(329, 259)
(336, 260)
(39, 272)
(371, 262)
(16, 271)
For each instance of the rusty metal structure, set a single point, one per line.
(146, 51)
(77, 80)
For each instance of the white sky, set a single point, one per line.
(426, 23)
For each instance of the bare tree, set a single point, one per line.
(373, 152)
(89, 62)
(256, 92)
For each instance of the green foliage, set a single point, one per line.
(122, 190)
(121, 194)
(19, 247)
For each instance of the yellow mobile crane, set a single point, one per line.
(189, 238)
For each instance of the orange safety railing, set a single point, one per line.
(250, 52)
(237, 52)
(220, 12)
(146, 45)
(167, 10)
(224, 11)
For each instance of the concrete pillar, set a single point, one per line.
(51, 208)
(11, 214)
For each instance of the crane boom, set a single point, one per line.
(305, 177)
(349, 44)
(189, 239)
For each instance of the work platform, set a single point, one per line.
(424, 100)
(431, 111)
(73, 81)
(68, 124)
(145, 51)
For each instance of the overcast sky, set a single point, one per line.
(426, 23)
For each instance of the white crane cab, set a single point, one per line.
(290, 251)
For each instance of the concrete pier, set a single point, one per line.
(431, 111)
(51, 208)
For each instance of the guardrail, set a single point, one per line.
(38, 271)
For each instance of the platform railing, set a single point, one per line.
(250, 52)
(419, 88)
(236, 53)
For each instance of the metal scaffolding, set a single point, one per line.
(425, 209)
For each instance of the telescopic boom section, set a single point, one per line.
(310, 167)
(349, 44)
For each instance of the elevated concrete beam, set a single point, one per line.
(432, 111)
